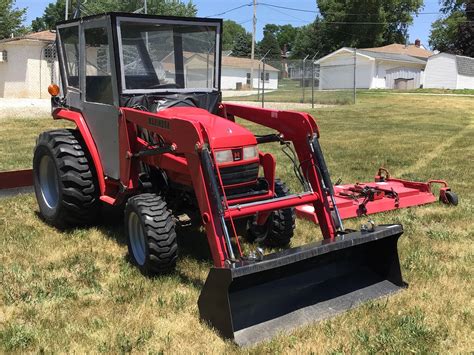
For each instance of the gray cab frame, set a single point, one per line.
(102, 119)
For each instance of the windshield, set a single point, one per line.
(161, 56)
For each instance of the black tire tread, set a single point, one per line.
(80, 196)
(159, 231)
(282, 221)
(280, 225)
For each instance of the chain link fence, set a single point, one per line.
(302, 81)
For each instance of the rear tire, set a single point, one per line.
(64, 179)
(451, 198)
(151, 236)
(279, 228)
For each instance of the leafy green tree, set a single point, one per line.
(368, 23)
(269, 43)
(445, 31)
(454, 32)
(55, 11)
(465, 40)
(285, 35)
(11, 19)
(230, 32)
(313, 39)
(242, 45)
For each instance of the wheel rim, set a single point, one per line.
(137, 238)
(48, 181)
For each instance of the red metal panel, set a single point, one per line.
(81, 124)
(15, 179)
(396, 194)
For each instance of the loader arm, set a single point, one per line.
(299, 128)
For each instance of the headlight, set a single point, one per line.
(250, 152)
(224, 156)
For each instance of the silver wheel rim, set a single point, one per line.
(48, 181)
(137, 238)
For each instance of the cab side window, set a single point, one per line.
(98, 69)
(70, 41)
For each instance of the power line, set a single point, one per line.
(345, 14)
(230, 10)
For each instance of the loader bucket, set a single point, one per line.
(251, 302)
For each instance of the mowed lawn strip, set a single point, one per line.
(76, 290)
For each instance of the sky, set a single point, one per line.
(420, 28)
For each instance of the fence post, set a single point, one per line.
(355, 74)
(303, 75)
(258, 82)
(263, 84)
(312, 80)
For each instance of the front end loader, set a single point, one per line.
(153, 136)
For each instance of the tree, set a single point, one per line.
(242, 45)
(312, 39)
(55, 12)
(269, 43)
(364, 23)
(284, 34)
(465, 40)
(11, 19)
(230, 32)
(454, 32)
(445, 31)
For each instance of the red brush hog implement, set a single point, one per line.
(153, 136)
(384, 194)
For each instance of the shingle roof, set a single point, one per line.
(44, 36)
(246, 63)
(397, 48)
(392, 56)
(465, 65)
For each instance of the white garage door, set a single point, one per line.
(342, 76)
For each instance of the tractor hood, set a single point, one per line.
(223, 133)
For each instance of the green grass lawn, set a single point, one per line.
(75, 291)
(291, 91)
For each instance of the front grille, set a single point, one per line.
(239, 174)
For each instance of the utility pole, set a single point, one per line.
(146, 7)
(66, 15)
(252, 55)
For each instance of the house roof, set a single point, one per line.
(397, 48)
(245, 63)
(465, 65)
(44, 36)
(376, 55)
(392, 56)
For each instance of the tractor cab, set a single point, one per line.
(145, 62)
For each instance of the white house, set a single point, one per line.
(448, 71)
(374, 70)
(236, 72)
(26, 65)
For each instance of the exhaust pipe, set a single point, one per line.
(249, 302)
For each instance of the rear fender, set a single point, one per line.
(81, 124)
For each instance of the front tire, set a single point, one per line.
(279, 228)
(151, 235)
(64, 179)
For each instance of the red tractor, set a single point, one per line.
(152, 135)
